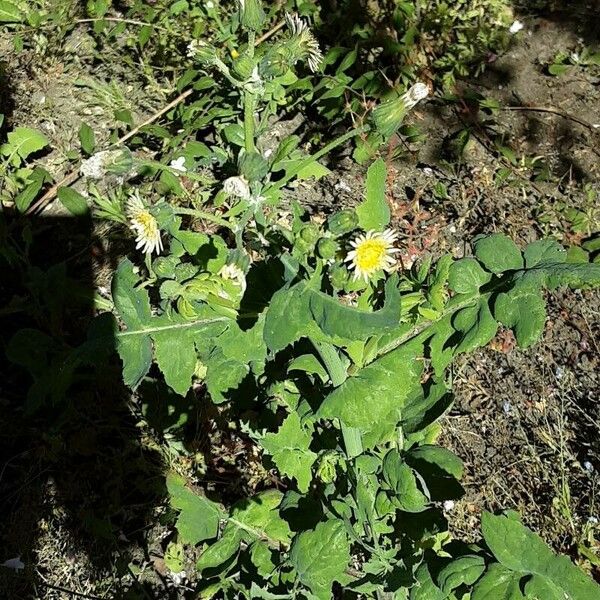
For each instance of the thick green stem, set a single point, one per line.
(249, 107)
(203, 215)
(314, 157)
(337, 373)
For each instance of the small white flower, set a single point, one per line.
(372, 252)
(516, 27)
(588, 466)
(448, 505)
(178, 164)
(144, 225)
(14, 563)
(235, 274)
(592, 520)
(575, 57)
(419, 91)
(209, 4)
(237, 187)
(306, 41)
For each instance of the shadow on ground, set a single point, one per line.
(75, 476)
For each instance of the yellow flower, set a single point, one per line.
(372, 252)
(144, 225)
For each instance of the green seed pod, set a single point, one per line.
(252, 15)
(339, 277)
(243, 66)
(310, 233)
(342, 222)
(327, 248)
(388, 116)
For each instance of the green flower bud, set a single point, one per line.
(164, 266)
(185, 271)
(253, 166)
(342, 222)
(243, 66)
(388, 116)
(326, 471)
(327, 248)
(339, 277)
(310, 233)
(252, 15)
(186, 309)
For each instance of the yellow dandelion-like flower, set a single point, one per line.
(373, 251)
(144, 225)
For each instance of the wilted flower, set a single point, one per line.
(415, 94)
(178, 164)
(235, 274)
(372, 252)
(237, 187)
(107, 162)
(144, 225)
(307, 45)
(516, 27)
(388, 116)
(201, 51)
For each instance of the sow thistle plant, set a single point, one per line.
(330, 358)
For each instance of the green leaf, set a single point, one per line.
(258, 518)
(424, 587)
(219, 553)
(24, 141)
(309, 363)
(87, 139)
(498, 583)
(176, 358)
(519, 549)
(477, 325)
(321, 556)
(374, 212)
(543, 251)
(9, 13)
(73, 201)
(198, 517)
(336, 319)
(136, 354)
(374, 396)
(401, 480)
(524, 311)
(287, 317)
(498, 253)
(440, 457)
(223, 374)
(466, 276)
(289, 448)
(465, 570)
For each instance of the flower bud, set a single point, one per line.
(339, 277)
(327, 248)
(252, 15)
(201, 51)
(342, 222)
(309, 233)
(243, 66)
(388, 116)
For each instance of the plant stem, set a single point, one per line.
(203, 215)
(331, 359)
(314, 157)
(249, 104)
(337, 373)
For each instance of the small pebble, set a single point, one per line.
(448, 505)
